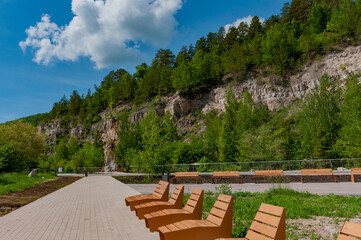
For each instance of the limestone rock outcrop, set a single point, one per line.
(274, 92)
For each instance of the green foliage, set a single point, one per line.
(70, 155)
(303, 30)
(349, 143)
(320, 120)
(15, 182)
(228, 137)
(87, 156)
(9, 159)
(322, 127)
(299, 205)
(319, 17)
(23, 144)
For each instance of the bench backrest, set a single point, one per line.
(187, 174)
(177, 196)
(222, 212)
(226, 173)
(326, 171)
(162, 190)
(195, 203)
(355, 170)
(350, 231)
(269, 172)
(269, 223)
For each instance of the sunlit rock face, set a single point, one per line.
(274, 92)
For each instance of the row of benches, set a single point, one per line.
(176, 223)
(263, 173)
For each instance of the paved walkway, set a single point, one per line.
(342, 188)
(91, 208)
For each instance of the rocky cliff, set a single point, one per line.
(274, 92)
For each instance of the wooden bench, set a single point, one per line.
(218, 224)
(186, 175)
(269, 223)
(192, 210)
(229, 174)
(267, 173)
(350, 231)
(175, 202)
(160, 193)
(355, 171)
(317, 172)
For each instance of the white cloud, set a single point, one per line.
(107, 31)
(247, 20)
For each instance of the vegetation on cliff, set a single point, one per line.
(326, 125)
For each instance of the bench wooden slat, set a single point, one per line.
(225, 174)
(186, 175)
(161, 193)
(268, 224)
(271, 209)
(355, 171)
(317, 172)
(267, 173)
(351, 229)
(267, 219)
(251, 235)
(211, 228)
(344, 237)
(264, 229)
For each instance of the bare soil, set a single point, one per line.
(317, 227)
(138, 179)
(12, 201)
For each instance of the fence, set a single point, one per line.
(288, 165)
(83, 169)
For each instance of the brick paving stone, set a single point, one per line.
(91, 208)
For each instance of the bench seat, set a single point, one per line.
(355, 171)
(317, 172)
(226, 174)
(267, 173)
(186, 175)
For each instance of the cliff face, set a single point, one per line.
(267, 90)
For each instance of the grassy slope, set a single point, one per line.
(298, 205)
(14, 182)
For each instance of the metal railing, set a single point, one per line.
(90, 170)
(288, 165)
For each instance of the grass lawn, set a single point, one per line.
(14, 182)
(298, 206)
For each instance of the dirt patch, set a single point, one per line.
(138, 179)
(12, 201)
(317, 227)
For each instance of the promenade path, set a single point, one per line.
(91, 208)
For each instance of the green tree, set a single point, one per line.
(254, 28)
(229, 137)
(129, 138)
(320, 120)
(75, 103)
(213, 124)
(9, 159)
(25, 140)
(279, 48)
(87, 156)
(344, 19)
(319, 16)
(299, 10)
(350, 141)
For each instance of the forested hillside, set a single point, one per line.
(325, 125)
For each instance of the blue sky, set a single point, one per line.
(81, 52)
